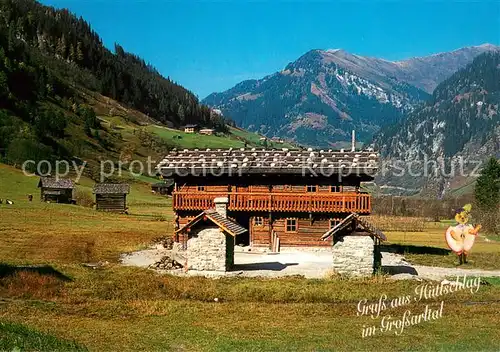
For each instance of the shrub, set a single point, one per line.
(489, 221)
(84, 198)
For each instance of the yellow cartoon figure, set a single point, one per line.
(460, 238)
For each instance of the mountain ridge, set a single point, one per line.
(460, 124)
(324, 94)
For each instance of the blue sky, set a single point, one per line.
(210, 46)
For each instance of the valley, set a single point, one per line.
(318, 99)
(260, 225)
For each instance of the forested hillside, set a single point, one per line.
(461, 120)
(51, 62)
(83, 59)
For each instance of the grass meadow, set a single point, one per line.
(236, 138)
(50, 301)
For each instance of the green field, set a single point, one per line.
(64, 305)
(253, 138)
(236, 138)
(418, 248)
(195, 140)
(17, 337)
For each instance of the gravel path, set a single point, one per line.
(438, 273)
(310, 264)
(396, 264)
(313, 265)
(143, 258)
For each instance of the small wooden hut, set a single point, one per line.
(163, 188)
(207, 131)
(111, 196)
(58, 190)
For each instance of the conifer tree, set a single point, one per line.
(487, 190)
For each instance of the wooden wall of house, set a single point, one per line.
(181, 221)
(307, 234)
(259, 233)
(256, 183)
(203, 188)
(111, 202)
(267, 188)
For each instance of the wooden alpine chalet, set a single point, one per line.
(285, 197)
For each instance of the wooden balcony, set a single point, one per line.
(277, 202)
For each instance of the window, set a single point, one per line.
(201, 188)
(336, 189)
(311, 188)
(258, 221)
(291, 225)
(334, 222)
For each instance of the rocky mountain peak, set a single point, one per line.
(317, 99)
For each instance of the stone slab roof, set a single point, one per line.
(265, 161)
(231, 227)
(52, 182)
(111, 188)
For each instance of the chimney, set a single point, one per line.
(221, 206)
(353, 141)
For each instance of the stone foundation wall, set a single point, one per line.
(207, 250)
(354, 256)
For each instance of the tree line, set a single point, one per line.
(69, 48)
(487, 193)
(485, 200)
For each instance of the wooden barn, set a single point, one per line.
(111, 196)
(56, 190)
(282, 197)
(163, 188)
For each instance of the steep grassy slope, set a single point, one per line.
(63, 95)
(124, 134)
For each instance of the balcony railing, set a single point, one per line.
(277, 202)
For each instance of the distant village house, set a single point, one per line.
(190, 128)
(207, 131)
